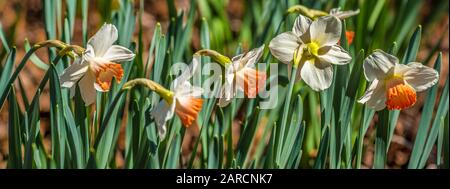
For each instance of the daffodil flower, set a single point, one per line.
(98, 65)
(241, 74)
(394, 85)
(184, 100)
(312, 46)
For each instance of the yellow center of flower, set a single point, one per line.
(306, 52)
(399, 94)
(313, 48)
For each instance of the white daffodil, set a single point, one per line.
(184, 100)
(313, 47)
(394, 85)
(98, 65)
(241, 74)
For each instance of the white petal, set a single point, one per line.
(88, 92)
(252, 57)
(103, 39)
(375, 96)
(98, 88)
(118, 53)
(161, 114)
(301, 25)
(227, 92)
(378, 64)
(325, 31)
(334, 55)
(73, 73)
(89, 54)
(369, 92)
(420, 77)
(317, 75)
(283, 46)
(72, 91)
(224, 100)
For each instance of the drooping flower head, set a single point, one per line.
(98, 65)
(313, 47)
(183, 99)
(241, 74)
(394, 85)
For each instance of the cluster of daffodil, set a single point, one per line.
(314, 47)
(100, 63)
(310, 50)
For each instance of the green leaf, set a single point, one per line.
(3, 39)
(74, 139)
(321, 159)
(105, 140)
(282, 129)
(33, 124)
(355, 76)
(84, 20)
(174, 154)
(23, 91)
(71, 6)
(246, 138)
(381, 140)
(407, 18)
(441, 112)
(375, 14)
(58, 131)
(14, 132)
(6, 74)
(413, 47)
(293, 131)
(446, 144)
(35, 59)
(154, 44)
(424, 124)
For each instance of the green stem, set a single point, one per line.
(230, 135)
(15, 74)
(203, 126)
(108, 115)
(50, 43)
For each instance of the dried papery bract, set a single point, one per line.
(314, 13)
